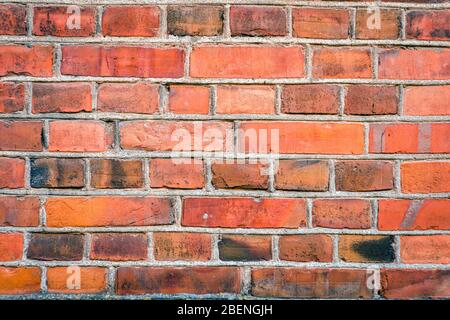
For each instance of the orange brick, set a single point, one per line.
(12, 173)
(341, 213)
(177, 173)
(425, 249)
(92, 279)
(34, 61)
(366, 248)
(306, 248)
(185, 99)
(426, 100)
(428, 25)
(173, 246)
(254, 99)
(11, 246)
(302, 175)
(425, 177)
(371, 100)
(14, 19)
(131, 21)
(12, 96)
(364, 175)
(367, 28)
(20, 280)
(19, 211)
(22, 135)
(240, 175)
(321, 23)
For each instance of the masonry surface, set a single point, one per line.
(350, 201)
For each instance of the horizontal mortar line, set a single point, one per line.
(249, 2)
(279, 117)
(217, 40)
(260, 231)
(226, 155)
(211, 81)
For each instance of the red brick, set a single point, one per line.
(414, 214)
(195, 20)
(107, 211)
(320, 23)
(371, 100)
(119, 246)
(11, 246)
(186, 99)
(36, 61)
(22, 135)
(56, 246)
(310, 137)
(309, 283)
(247, 62)
(79, 136)
(12, 173)
(253, 99)
(417, 64)
(302, 175)
(364, 175)
(19, 211)
(116, 173)
(428, 25)
(56, 173)
(244, 213)
(425, 177)
(340, 62)
(140, 97)
(415, 283)
(173, 246)
(306, 248)
(425, 249)
(409, 138)
(177, 173)
(426, 100)
(341, 213)
(366, 248)
(131, 21)
(236, 247)
(55, 21)
(310, 98)
(62, 97)
(12, 97)
(174, 280)
(13, 19)
(176, 136)
(240, 175)
(122, 61)
(367, 28)
(257, 21)
(20, 280)
(92, 279)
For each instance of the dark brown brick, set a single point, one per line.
(257, 21)
(194, 20)
(371, 100)
(310, 98)
(57, 173)
(116, 174)
(245, 248)
(119, 246)
(364, 175)
(53, 246)
(366, 248)
(12, 97)
(13, 19)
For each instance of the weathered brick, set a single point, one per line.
(173, 246)
(425, 214)
(426, 100)
(57, 173)
(107, 211)
(321, 23)
(131, 21)
(20, 280)
(116, 173)
(341, 213)
(59, 21)
(13, 19)
(173, 280)
(56, 246)
(302, 175)
(34, 61)
(240, 175)
(247, 62)
(366, 248)
(247, 99)
(428, 25)
(364, 175)
(19, 211)
(80, 136)
(306, 248)
(425, 177)
(257, 21)
(245, 247)
(106, 61)
(11, 247)
(119, 246)
(244, 212)
(425, 249)
(310, 98)
(309, 283)
(22, 135)
(92, 279)
(195, 20)
(186, 99)
(12, 97)
(369, 27)
(177, 173)
(371, 100)
(12, 173)
(62, 97)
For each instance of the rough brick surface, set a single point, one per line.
(225, 149)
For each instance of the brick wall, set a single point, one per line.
(349, 198)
